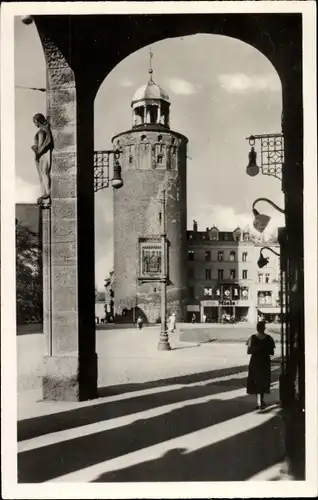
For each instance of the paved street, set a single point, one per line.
(181, 415)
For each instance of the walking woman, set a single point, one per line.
(261, 347)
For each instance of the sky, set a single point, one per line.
(221, 91)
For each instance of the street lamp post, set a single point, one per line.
(163, 344)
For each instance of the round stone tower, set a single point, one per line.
(154, 159)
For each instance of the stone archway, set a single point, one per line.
(82, 64)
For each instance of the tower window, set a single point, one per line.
(130, 159)
(143, 137)
(159, 138)
(160, 159)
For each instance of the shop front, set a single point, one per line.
(193, 313)
(224, 311)
(270, 314)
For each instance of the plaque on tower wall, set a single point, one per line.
(151, 259)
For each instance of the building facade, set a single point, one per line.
(154, 161)
(224, 280)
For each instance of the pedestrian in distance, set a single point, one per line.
(204, 318)
(261, 347)
(139, 322)
(193, 319)
(172, 322)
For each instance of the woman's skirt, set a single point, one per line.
(259, 375)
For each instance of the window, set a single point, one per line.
(244, 274)
(130, 159)
(220, 274)
(207, 256)
(260, 277)
(191, 273)
(246, 237)
(244, 293)
(260, 298)
(191, 292)
(214, 234)
(232, 256)
(220, 256)
(268, 298)
(232, 274)
(208, 274)
(267, 277)
(160, 159)
(264, 298)
(244, 256)
(191, 255)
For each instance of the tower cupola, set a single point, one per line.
(150, 104)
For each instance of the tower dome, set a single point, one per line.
(150, 105)
(150, 91)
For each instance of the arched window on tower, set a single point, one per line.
(138, 116)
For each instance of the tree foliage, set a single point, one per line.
(29, 288)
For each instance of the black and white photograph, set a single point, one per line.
(159, 249)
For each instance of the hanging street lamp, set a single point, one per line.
(263, 261)
(261, 221)
(272, 155)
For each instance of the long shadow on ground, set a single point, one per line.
(37, 426)
(48, 462)
(234, 459)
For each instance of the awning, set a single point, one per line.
(270, 310)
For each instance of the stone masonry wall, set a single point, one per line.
(136, 213)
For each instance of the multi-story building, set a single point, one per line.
(224, 279)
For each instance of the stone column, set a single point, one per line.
(70, 366)
(47, 269)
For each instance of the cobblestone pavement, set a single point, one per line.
(181, 415)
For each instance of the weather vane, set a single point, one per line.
(150, 64)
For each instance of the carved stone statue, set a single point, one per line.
(42, 147)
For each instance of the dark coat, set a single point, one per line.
(259, 370)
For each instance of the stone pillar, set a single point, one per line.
(70, 366)
(46, 263)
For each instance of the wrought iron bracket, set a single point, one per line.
(102, 164)
(272, 153)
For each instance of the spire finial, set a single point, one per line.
(150, 71)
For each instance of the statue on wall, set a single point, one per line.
(42, 147)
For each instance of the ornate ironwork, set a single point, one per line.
(272, 153)
(101, 169)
